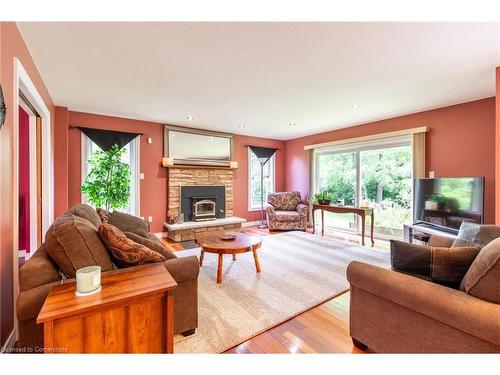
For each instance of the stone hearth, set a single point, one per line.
(187, 231)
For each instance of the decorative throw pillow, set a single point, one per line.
(73, 242)
(486, 234)
(103, 215)
(411, 259)
(124, 251)
(153, 245)
(442, 265)
(449, 265)
(129, 223)
(86, 212)
(482, 280)
(466, 234)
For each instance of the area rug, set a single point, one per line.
(299, 271)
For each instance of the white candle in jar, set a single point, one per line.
(88, 280)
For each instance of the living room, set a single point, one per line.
(250, 187)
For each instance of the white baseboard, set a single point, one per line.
(250, 223)
(10, 343)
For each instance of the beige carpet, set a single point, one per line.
(299, 271)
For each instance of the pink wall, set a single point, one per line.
(24, 180)
(61, 161)
(11, 45)
(461, 142)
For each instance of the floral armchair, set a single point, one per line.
(286, 211)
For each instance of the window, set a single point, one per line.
(254, 181)
(376, 172)
(131, 157)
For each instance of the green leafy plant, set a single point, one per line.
(108, 183)
(323, 197)
(317, 197)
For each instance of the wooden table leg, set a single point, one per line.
(322, 222)
(234, 257)
(314, 222)
(373, 221)
(256, 259)
(219, 269)
(202, 255)
(362, 230)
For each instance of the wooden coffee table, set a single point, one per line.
(211, 242)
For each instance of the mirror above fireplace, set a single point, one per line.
(186, 146)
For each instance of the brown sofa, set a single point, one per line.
(286, 211)
(41, 272)
(394, 312)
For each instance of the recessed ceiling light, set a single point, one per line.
(354, 106)
(241, 126)
(292, 124)
(190, 118)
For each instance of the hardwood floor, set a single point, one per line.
(322, 329)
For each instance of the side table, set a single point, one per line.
(133, 313)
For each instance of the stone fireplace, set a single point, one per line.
(202, 177)
(200, 188)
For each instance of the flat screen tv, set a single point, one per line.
(447, 202)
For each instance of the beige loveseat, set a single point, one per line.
(393, 312)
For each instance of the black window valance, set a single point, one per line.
(263, 153)
(106, 139)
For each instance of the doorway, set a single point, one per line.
(29, 179)
(41, 162)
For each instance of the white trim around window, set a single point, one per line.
(86, 148)
(374, 137)
(272, 177)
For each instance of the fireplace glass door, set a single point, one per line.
(204, 210)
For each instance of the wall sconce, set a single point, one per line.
(233, 164)
(167, 162)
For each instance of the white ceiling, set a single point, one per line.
(264, 75)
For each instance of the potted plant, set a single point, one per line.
(324, 197)
(317, 198)
(108, 183)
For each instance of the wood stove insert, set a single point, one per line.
(203, 203)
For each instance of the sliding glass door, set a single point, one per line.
(337, 175)
(376, 173)
(386, 184)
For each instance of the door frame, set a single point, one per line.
(22, 82)
(33, 174)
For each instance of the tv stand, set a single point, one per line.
(423, 231)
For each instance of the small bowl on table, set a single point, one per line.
(229, 236)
